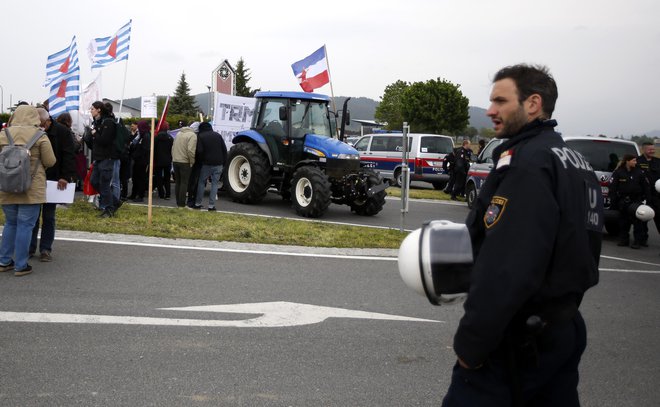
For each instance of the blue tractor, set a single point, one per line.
(290, 147)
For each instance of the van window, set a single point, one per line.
(603, 155)
(436, 145)
(362, 144)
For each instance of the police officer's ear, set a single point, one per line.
(533, 106)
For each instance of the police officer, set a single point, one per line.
(628, 188)
(536, 230)
(650, 164)
(462, 159)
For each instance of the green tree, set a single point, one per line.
(487, 132)
(389, 108)
(435, 106)
(242, 78)
(470, 131)
(182, 102)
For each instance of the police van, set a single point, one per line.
(383, 152)
(602, 153)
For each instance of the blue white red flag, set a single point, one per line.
(64, 94)
(312, 72)
(62, 63)
(107, 50)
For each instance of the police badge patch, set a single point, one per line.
(494, 211)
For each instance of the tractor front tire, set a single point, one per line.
(248, 173)
(310, 192)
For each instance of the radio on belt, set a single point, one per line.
(436, 261)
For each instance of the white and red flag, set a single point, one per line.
(312, 72)
(107, 50)
(62, 63)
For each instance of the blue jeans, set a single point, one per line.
(101, 180)
(208, 170)
(47, 229)
(19, 222)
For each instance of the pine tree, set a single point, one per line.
(182, 102)
(242, 79)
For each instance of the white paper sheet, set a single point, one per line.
(54, 195)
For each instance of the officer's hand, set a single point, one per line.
(62, 184)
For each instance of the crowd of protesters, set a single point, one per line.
(99, 164)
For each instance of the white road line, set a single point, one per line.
(631, 271)
(219, 249)
(629, 260)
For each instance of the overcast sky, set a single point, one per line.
(604, 54)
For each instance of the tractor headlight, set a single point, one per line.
(348, 156)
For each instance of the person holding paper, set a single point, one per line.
(62, 172)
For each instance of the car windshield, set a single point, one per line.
(310, 117)
(603, 155)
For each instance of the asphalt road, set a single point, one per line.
(90, 328)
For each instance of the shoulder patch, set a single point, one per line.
(494, 211)
(505, 159)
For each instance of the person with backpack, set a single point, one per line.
(21, 209)
(101, 140)
(62, 172)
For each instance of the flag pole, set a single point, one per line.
(121, 102)
(332, 91)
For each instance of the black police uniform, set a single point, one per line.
(462, 159)
(628, 188)
(536, 230)
(651, 168)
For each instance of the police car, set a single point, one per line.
(383, 152)
(602, 153)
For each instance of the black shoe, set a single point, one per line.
(107, 214)
(138, 200)
(644, 244)
(7, 267)
(27, 270)
(635, 246)
(453, 198)
(623, 243)
(196, 206)
(119, 204)
(211, 208)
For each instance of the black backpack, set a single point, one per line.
(15, 171)
(122, 135)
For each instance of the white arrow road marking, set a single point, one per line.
(273, 314)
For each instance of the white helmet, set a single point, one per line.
(657, 185)
(644, 213)
(436, 261)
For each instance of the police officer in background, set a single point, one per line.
(536, 230)
(650, 164)
(628, 188)
(462, 159)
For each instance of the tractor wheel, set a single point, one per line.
(248, 173)
(369, 206)
(310, 192)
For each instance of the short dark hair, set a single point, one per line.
(532, 79)
(647, 143)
